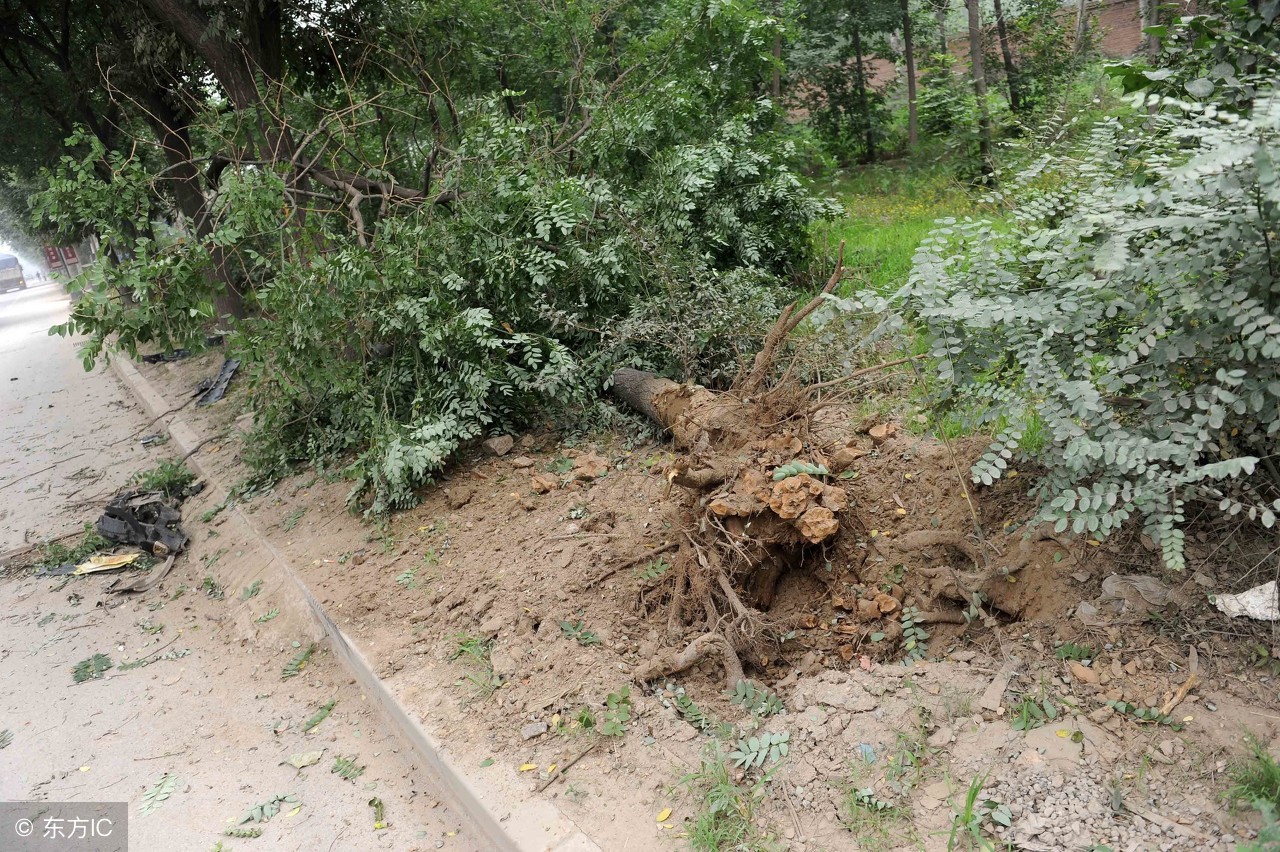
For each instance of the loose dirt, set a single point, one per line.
(552, 565)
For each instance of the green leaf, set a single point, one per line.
(158, 794)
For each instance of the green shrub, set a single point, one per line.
(1128, 302)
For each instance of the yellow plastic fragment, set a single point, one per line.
(664, 814)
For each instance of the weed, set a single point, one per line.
(578, 630)
(617, 713)
(652, 570)
(727, 815)
(968, 821)
(268, 615)
(1072, 651)
(756, 700)
(875, 823)
(485, 681)
(292, 520)
(212, 588)
(914, 637)
(55, 553)
(251, 590)
(910, 756)
(471, 646)
(696, 716)
(1255, 778)
(405, 578)
(754, 752)
(1144, 714)
(172, 477)
(1031, 713)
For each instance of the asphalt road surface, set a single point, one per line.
(208, 707)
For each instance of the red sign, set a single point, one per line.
(51, 257)
(69, 255)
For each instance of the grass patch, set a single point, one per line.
(172, 477)
(56, 553)
(1256, 778)
(875, 824)
(890, 208)
(484, 681)
(727, 811)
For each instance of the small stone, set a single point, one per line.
(543, 482)
(941, 737)
(533, 729)
(522, 462)
(498, 445)
(1082, 673)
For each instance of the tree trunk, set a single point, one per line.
(863, 104)
(908, 47)
(1149, 16)
(1082, 25)
(940, 13)
(777, 68)
(1010, 70)
(184, 178)
(979, 85)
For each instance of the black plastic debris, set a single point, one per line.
(56, 570)
(146, 519)
(165, 357)
(211, 390)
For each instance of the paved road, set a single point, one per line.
(210, 708)
(65, 431)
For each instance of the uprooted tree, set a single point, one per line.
(758, 495)
(419, 222)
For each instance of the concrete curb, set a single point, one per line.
(532, 825)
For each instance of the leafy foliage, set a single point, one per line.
(91, 668)
(1228, 53)
(653, 570)
(795, 468)
(1127, 302)
(55, 553)
(617, 713)
(173, 477)
(577, 630)
(1031, 713)
(632, 167)
(264, 811)
(294, 667)
(753, 752)
(158, 794)
(319, 716)
(347, 768)
(914, 637)
(755, 699)
(242, 832)
(1072, 651)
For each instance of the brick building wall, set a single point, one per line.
(1118, 22)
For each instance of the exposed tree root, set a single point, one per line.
(707, 644)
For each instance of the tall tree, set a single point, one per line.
(1010, 68)
(909, 51)
(979, 85)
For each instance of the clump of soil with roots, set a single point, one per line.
(759, 496)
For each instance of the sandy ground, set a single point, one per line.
(211, 707)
